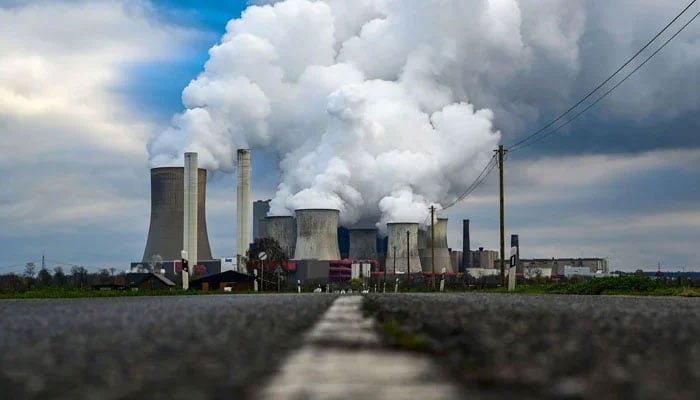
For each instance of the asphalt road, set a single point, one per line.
(185, 347)
(589, 347)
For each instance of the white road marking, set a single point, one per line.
(341, 359)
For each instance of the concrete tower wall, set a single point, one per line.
(284, 230)
(422, 237)
(189, 232)
(442, 253)
(165, 234)
(396, 232)
(243, 206)
(456, 256)
(317, 234)
(363, 244)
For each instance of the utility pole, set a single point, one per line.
(43, 261)
(394, 261)
(408, 257)
(501, 153)
(432, 243)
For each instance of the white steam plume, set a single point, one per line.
(366, 102)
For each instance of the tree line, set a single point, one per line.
(76, 277)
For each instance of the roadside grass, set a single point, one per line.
(401, 338)
(624, 285)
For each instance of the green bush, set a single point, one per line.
(623, 284)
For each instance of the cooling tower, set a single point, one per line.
(404, 252)
(363, 244)
(189, 233)
(442, 253)
(165, 235)
(317, 234)
(284, 230)
(243, 207)
(422, 235)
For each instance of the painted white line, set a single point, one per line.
(341, 359)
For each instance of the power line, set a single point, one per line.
(604, 95)
(477, 182)
(14, 266)
(521, 143)
(67, 264)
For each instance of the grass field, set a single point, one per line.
(624, 285)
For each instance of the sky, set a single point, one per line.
(85, 84)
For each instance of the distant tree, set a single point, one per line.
(271, 247)
(59, 277)
(11, 283)
(44, 277)
(104, 276)
(79, 276)
(275, 257)
(112, 270)
(29, 270)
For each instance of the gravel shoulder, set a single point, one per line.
(198, 347)
(549, 346)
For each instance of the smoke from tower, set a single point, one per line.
(367, 103)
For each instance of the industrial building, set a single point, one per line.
(260, 210)
(566, 266)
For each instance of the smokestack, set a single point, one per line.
(283, 229)
(397, 239)
(363, 244)
(189, 231)
(466, 252)
(165, 234)
(317, 234)
(442, 253)
(243, 205)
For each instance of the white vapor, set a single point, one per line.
(369, 104)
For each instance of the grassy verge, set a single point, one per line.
(626, 285)
(399, 337)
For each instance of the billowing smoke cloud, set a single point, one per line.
(368, 103)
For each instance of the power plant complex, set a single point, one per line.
(312, 241)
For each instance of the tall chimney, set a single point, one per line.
(466, 255)
(190, 205)
(243, 207)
